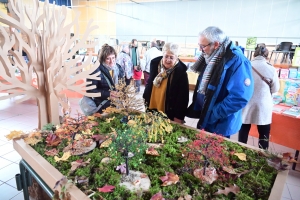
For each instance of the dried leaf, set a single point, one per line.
(32, 141)
(106, 143)
(122, 168)
(186, 197)
(152, 151)
(62, 181)
(99, 138)
(65, 157)
(91, 118)
(157, 196)
(210, 174)
(131, 122)
(52, 140)
(87, 132)
(109, 119)
(241, 156)
(106, 188)
(233, 188)
(35, 134)
(52, 152)
(15, 135)
(79, 163)
(97, 115)
(169, 179)
(106, 160)
(143, 175)
(78, 137)
(230, 170)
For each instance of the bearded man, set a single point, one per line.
(224, 86)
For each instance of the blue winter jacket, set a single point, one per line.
(224, 115)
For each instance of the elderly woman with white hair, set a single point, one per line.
(168, 87)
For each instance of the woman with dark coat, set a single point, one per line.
(104, 86)
(168, 87)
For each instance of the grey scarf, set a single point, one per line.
(211, 61)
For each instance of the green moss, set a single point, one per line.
(256, 184)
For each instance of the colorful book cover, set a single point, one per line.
(293, 111)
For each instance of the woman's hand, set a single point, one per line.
(178, 120)
(114, 94)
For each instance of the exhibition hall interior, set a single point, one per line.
(34, 38)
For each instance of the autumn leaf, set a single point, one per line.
(99, 138)
(106, 188)
(78, 137)
(131, 122)
(152, 151)
(233, 188)
(230, 170)
(210, 174)
(79, 163)
(35, 134)
(143, 175)
(109, 119)
(91, 118)
(53, 140)
(87, 132)
(157, 196)
(65, 157)
(122, 168)
(97, 115)
(15, 135)
(52, 152)
(169, 179)
(32, 141)
(241, 156)
(106, 143)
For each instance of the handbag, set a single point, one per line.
(269, 82)
(88, 105)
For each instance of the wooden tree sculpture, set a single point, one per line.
(50, 58)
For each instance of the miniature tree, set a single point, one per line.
(47, 46)
(129, 141)
(127, 100)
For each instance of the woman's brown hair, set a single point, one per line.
(105, 51)
(261, 50)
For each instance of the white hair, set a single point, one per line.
(124, 46)
(171, 47)
(213, 34)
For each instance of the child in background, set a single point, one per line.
(137, 76)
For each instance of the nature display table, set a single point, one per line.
(49, 175)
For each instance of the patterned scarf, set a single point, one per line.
(163, 73)
(211, 61)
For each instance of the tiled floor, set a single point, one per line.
(24, 117)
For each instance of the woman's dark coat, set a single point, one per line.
(177, 93)
(102, 86)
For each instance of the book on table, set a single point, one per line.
(293, 111)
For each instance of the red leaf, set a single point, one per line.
(107, 188)
(100, 138)
(157, 196)
(52, 140)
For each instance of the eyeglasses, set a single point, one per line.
(204, 46)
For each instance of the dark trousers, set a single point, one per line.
(137, 84)
(127, 81)
(146, 77)
(264, 134)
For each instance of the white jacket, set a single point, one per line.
(259, 109)
(152, 53)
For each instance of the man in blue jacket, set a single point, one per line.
(224, 86)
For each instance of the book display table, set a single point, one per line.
(285, 130)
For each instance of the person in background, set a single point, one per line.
(104, 86)
(137, 76)
(167, 89)
(152, 53)
(259, 109)
(125, 62)
(224, 86)
(134, 53)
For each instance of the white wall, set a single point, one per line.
(239, 18)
